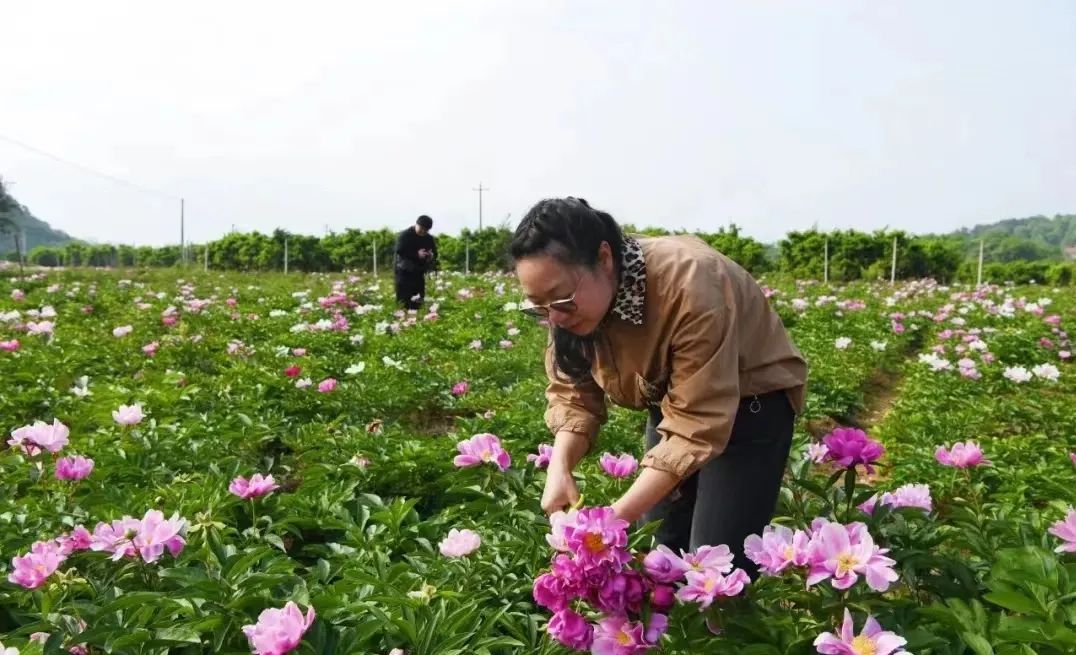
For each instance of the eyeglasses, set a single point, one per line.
(566, 305)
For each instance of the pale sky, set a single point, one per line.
(925, 116)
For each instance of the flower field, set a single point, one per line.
(207, 463)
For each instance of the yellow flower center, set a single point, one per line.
(862, 645)
(624, 638)
(845, 564)
(789, 552)
(486, 455)
(593, 542)
(709, 584)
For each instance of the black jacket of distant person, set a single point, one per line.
(408, 243)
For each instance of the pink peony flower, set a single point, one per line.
(777, 549)
(40, 436)
(461, 388)
(116, 537)
(128, 415)
(256, 487)
(1072, 456)
(40, 328)
(505, 343)
(122, 331)
(662, 565)
(616, 635)
(328, 385)
(704, 587)
(169, 321)
(279, 631)
(571, 629)
(155, 534)
(850, 446)
(816, 452)
(1066, 530)
(78, 540)
(9, 346)
(482, 448)
(558, 524)
(871, 641)
(843, 553)
(541, 460)
(32, 569)
(962, 455)
(909, 495)
(73, 468)
(709, 558)
(460, 543)
(298, 352)
(18, 294)
(151, 348)
(618, 466)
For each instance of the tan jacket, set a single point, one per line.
(690, 331)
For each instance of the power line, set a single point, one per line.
(87, 169)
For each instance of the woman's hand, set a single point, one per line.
(560, 492)
(649, 488)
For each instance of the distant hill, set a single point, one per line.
(1034, 237)
(16, 219)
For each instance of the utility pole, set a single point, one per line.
(375, 257)
(285, 255)
(205, 255)
(182, 234)
(480, 189)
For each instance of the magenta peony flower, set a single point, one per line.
(327, 385)
(872, 640)
(618, 466)
(461, 388)
(541, 460)
(598, 536)
(850, 446)
(32, 569)
(460, 543)
(73, 468)
(256, 487)
(279, 631)
(9, 346)
(1066, 530)
(292, 371)
(962, 455)
(621, 593)
(482, 448)
(571, 629)
(662, 565)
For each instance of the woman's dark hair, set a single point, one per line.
(571, 232)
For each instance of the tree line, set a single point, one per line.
(852, 254)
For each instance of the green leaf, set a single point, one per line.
(1012, 600)
(977, 643)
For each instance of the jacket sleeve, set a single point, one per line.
(573, 406)
(704, 383)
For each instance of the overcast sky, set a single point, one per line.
(775, 115)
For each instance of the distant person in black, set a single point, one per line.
(416, 253)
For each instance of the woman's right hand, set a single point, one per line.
(560, 491)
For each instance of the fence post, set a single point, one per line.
(375, 256)
(825, 274)
(893, 267)
(467, 257)
(285, 255)
(979, 277)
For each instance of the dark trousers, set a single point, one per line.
(735, 494)
(408, 285)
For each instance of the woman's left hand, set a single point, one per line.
(649, 489)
